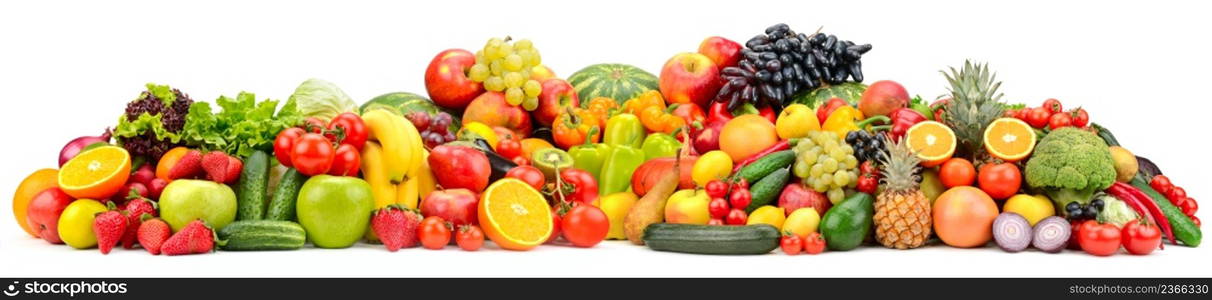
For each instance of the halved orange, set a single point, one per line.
(933, 142)
(514, 215)
(1009, 139)
(95, 174)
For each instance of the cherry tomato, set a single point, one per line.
(509, 148)
(352, 131)
(434, 233)
(814, 244)
(312, 154)
(314, 125)
(1080, 117)
(718, 207)
(585, 226)
(1023, 114)
(1140, 238)
(957, 172)
(529, 175)
(1176, 192)
(1162, 184)
(1189, 206)
(1059, 121)
(716, 189)
(740, 198)
(791, 244)
(556, 221)
(1038, 117)
(741, 184)
(1178, 202)
(521, 160)
(1195, 220)
(469, 238)
(715, 222)
(1000, 181)
(1099, 239)
(737, 217)
(585, 188)
(285, 143)
(346, 161)
(1053, 106)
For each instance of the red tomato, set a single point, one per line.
(1038, 117)
(352, 130)
(521, 160)
(1099, 239)
(585, 188)
(556, 221)
(1080, 117)
(1189, 206)
(1023, 114)
(1059, 121)
(469, 238)
(1000, 181)
(1176, 192)
(529, 175)
(1141, 238)
(434, 233)
(715, 222)
(741, 184)
(1053, 106)
(957, 172)
(1195, 220)
(1162, 184)
(312, 154)
(716, 189)
(718, 207)
(737, 217)
(740, 198)
(791, 244)
(509, 148)
(585, 226)
(346, 161)
(285, 143)
(314, 125)
(814, 244)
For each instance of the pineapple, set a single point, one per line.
(902, 212)
(974, 104)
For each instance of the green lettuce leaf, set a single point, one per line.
(242, 126)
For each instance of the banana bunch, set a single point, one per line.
(394, 160)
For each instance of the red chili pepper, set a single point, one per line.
(902, 119)
(827, 109)
(1120, 190)
(780, 146)
(1154, 210)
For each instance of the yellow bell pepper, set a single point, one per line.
(846, 119)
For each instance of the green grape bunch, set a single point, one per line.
(504, 65)
(827, 164)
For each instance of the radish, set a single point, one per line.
(77, 145)
(1012, 232)
(1051, 234)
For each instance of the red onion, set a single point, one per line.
(1051, 234)
(1012, 232)
(77, 145)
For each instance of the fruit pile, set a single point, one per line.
(730, 150)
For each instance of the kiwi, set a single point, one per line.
(549, 160)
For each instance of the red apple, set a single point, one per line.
(557, 96)
(796, 196)
(43, 213)
(447, 82)
(883, 97)
(724, 52)
(457, 167)
(541, 73)
(459, 206)
(491, 109)
(689, 78)
(708, 138)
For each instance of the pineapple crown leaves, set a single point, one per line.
(899, 165)
(975, 103)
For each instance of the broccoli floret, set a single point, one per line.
(1070, 165)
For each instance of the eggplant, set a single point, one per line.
(1147, 167)
(499, 164)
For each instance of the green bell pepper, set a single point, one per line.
(617, 169)
(589, 158)
(624, 130)
(922, 107)
(659, 145)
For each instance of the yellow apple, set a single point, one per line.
(688, 207)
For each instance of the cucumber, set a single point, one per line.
(254, 180)
(262, 235)
(1105, 134)
(282, 207)
(767, 164)
(1184, 229)
(766, 190)
(707, 239)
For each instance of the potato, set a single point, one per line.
(1125, 163)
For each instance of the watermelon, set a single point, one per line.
(615, 81)
(403, 103)
(849, 91)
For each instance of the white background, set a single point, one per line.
(66, 70)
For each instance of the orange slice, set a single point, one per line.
(933, 142)
(514, 215)
(96, 173)
(1009, 139)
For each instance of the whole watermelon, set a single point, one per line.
(852, 92)
(615, 81)
(403, 103)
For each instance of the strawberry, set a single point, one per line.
(152, 234)
(234, 167)
(195, 238)
(388, 224)
(215, 165)
(135, 209)
(188, 166)
(109, 227)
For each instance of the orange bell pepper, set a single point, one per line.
(603, 108)
(650, 108)
(574, 126)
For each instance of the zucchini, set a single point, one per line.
(767, 164)
(766, 190)
(1105, 134)
(262, 235)
(708, 239)
(282, 207)
(254, 180)
(1184, 229)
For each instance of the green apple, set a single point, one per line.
(334, 210)
(184, 201)
(688, 207)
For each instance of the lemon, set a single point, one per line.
(1033, 208)
(775, 216)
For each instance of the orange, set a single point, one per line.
(168, 160)
(530, 145)
(96, 173)
(33, 184)
(933, 142)
(514, 215)
(1009, 139)
(747, 135)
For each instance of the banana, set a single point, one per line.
(407, 193)
(374, 171)
(416, 147)
(426, 182)
(391, 132)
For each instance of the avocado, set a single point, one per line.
(846, 225)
